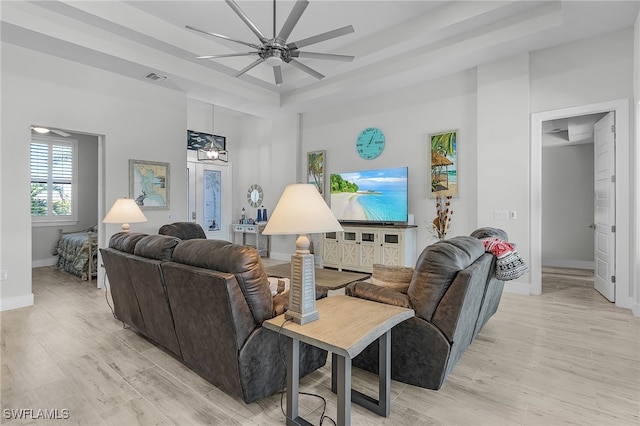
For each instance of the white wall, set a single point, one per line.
(406, 118)
(138, 121)
(267, 151)
(262, 150)
(44, 238)
(503, 152)
(586, 72)
(567, 208)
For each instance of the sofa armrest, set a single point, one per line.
(375, 293)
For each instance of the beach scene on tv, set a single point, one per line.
(370, 195)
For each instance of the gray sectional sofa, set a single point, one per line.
(205, 301)
(453, 291)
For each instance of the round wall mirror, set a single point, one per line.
(254, 195)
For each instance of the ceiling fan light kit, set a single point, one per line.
(276, 50)
(45, 130)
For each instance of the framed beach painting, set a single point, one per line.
(315, 169)
(149, 184)
(444, 163)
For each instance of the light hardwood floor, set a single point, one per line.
(566, 357)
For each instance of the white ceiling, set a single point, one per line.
(396, 43)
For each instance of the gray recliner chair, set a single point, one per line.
(453, 291)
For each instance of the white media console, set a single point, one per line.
(358, 247)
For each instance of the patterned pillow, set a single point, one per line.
(394, 277)
(509, 264)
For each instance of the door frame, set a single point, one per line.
(227, 187)
(623, 179)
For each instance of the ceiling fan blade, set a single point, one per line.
(255, 46)
(248, 67)
(321, 37)
(329, 56)
(292, 20)
(227, 55)
(305, 68)
(61, 133)
(277, 73)
(246, 20)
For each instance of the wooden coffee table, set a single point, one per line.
(347, 325)
(327, 278)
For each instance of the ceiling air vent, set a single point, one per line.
(155, 77)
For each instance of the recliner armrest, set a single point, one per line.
(375, 293)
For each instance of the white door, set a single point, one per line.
(209, 204)
(604, 208)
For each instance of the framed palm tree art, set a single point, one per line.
(444, 164)
(315, 169)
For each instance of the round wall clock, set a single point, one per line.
(254, 195)
(370, 143)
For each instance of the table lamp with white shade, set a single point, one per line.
(125, 211)
(301, 210)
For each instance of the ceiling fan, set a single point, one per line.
(276, 50)
(47, 130)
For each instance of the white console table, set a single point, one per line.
(262, 242)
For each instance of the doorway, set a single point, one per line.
(80, 181)
(209, 198)
(622, 259)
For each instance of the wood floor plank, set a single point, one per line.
(174, 400)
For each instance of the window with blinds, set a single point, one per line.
(53, 179)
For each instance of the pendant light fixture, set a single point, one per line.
(216, 151)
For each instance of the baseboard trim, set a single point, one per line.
(517, 288)
(280, 256)
(44, 262)
(635, 309)
(569, 263)
(8, 303)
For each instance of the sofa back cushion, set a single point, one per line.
(183, 230)
(242, 261)
(212, 321)
(436, 268)
(149, 285)
(125, 241)
(158, 247)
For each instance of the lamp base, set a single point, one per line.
(302, 292)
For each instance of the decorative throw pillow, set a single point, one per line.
(509, 264)
(510, 267)
(394, 277)
(278, 285)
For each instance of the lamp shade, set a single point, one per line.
(124, 211)
(301, 210)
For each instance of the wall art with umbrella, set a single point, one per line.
(444, 164)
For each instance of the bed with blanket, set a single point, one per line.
(77, 253)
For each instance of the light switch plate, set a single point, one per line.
(501, 215)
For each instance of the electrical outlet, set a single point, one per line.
(4, 274)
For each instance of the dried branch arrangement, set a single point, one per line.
(443, 215)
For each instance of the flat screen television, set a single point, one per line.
(371, 196)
